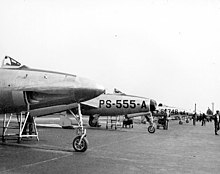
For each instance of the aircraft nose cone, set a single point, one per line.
(153, 105)
(88, 89)
(97, 90)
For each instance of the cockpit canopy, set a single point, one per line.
(9, 62)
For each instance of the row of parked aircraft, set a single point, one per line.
(27, 92)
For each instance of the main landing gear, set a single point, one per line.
(180, 122)
(80, 143)
(94, 121)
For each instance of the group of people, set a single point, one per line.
(215, 118)
(202, 118)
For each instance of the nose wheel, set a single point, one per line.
(151, 129)
(80, 143)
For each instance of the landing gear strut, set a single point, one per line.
(151, 129)
(80, 143)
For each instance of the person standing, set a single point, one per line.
(203, 119)
(216, 122)
(29, 124)
(194, 119)
(167, 114)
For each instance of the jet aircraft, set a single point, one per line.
(31, 92)
(172, 112)
(118, 104)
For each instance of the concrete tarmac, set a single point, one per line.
(180, 149)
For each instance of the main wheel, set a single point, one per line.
(91, 123)
(151, 129)
(180, 122)
(82, 147)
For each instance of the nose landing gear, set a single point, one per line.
(151, 129)
(80, 143)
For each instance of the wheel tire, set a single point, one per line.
(151, 129)
(91, 124)
(158, 127)
(80, 147)
(180, 122)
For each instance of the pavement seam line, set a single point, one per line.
(37, 163)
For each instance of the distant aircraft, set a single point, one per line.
(117, 104)
(30, 92)
(172, 112)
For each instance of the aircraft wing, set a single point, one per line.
(138, 114)
(50, 110)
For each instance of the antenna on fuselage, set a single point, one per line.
(116, 91)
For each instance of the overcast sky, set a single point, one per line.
(168, 50)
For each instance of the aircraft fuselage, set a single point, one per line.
(117, 104)
(39, 89)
